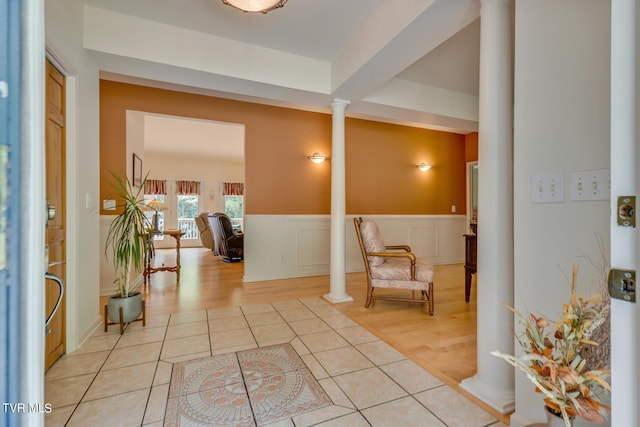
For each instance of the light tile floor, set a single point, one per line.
(115, 380)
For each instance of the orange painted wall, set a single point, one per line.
(471, 147)
(381, 159)
(382, 175)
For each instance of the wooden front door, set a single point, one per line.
(55, 187)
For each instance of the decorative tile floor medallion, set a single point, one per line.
(266, 384)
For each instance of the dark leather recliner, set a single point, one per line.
(227, 243)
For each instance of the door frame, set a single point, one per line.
(73, 198)
(469, 190)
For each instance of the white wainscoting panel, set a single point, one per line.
(424, 240)
(282, 246)
(287, 246)
(107, 275)
(312, 247)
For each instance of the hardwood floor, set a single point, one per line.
(444, 344)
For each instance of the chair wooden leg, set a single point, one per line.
(121, 320)
(430, 297)
(369, 297)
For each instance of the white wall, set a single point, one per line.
(561, 125)
(285, 246)
(63, 25)
(209, 170)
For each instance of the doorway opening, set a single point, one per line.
(185, 152)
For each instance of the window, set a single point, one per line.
(233, 193)
(187, 211)
(472, 193)
(151, 214)
(156, 189)
(233, 207)
(183, 201)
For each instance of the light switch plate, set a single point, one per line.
(109, 205)
(591, 185)
(547, 188)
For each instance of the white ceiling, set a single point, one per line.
(409, 62)
(454, 65)
(187, 136)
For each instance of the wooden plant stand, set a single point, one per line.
(121, 323)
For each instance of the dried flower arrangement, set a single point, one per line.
(567, 366)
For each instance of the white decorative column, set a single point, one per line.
(624, 181)
(494, 380)
(338, 278)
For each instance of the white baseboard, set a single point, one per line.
(517, 420)
(97, 323)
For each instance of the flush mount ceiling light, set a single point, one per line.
(424, 167)
(262, 6)
(317, 158)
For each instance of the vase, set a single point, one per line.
(131, 307)
(555, 420)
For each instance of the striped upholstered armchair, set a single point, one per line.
(393, 267)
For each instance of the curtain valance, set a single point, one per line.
(233, 189)
(188, 187)
(155, 186)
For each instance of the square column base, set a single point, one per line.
(503, 402)
(338, 299)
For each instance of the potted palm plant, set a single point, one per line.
(127, 242)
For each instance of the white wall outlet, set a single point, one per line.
(547, 188)
(591, 185)
(453, 208)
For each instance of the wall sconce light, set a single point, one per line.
(424, 167)
(317, 158)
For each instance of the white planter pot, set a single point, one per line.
(131, 307)
(554, 420)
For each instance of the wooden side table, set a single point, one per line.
(470, 262)
(149, 270)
